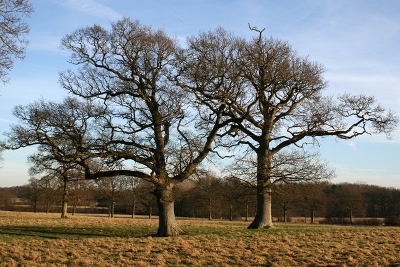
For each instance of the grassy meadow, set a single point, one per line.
(28, 239)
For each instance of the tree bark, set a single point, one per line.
(263, 218)
(167, 225)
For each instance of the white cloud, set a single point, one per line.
(351, 144)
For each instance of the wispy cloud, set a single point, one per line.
(6, 121)
(352, 144)
(176, 15)
(92, 7)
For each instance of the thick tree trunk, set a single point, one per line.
(167, 225)
(263, 218)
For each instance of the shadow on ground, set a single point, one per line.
(68, 232)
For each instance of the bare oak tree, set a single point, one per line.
(275, 98)
(154, 130)
(61, 133)
(13, 31)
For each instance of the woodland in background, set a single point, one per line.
(213, 198)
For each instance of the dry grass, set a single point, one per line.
(28, 239)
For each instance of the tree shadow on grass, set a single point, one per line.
(76, 232)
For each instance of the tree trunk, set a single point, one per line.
(112, 208)
(284, 215)
(64, 208)
(167, 225)
(312, 216)
(150, 210)
(35, 206)
(74, 209)
(247, 211)
(133, 208)
(230, 211)
(263, 218)
(305, 215)
(351, 216)
(210, 208)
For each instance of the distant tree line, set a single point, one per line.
(214, 198)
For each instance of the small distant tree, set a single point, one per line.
(110, 189)
(131, 190)
(49, 190)
(313, 199)
(6, 198)
(286, 196)
(344, 200)
(80, 191)
(236, 193)
(60, 131)
(147, 201)
(31, 193)
(13, 32)
(44, 162)
(209, 188)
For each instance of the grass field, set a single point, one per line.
(28, 239)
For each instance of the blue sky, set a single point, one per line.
(358, 41)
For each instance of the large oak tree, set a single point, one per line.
(155, 129)
(276, 99)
